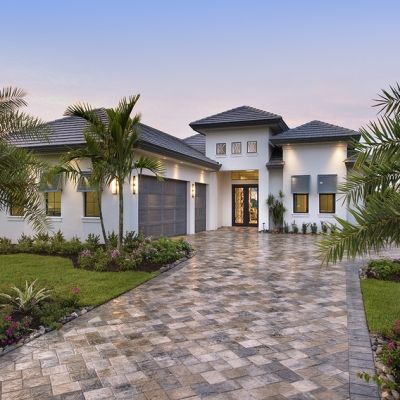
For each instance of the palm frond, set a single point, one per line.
(150, 164)
(11, 99)
(389, 100)
(376, 226)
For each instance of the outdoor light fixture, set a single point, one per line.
(193, 190)
(133, 185)
(114, 189)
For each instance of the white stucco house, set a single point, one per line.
(220, 176)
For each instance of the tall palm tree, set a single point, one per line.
(373, 187)
(111, 140)
(20, 168)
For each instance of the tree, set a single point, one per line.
(111, 140)
(373, 187)
(277, 209)
(19, 168)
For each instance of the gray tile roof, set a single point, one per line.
(315, 131)
(197, 141)
(68, 132)
(240, 116)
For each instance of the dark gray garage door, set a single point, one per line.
(200, 207)
(162, 207)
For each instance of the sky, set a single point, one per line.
(303, 60)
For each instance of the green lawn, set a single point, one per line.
(382, 304)
(58, 274)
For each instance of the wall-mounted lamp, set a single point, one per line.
(193, 190)
(114, 187)
(133, 185)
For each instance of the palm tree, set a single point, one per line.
(20, 168)
(373, 186)
(111, 139)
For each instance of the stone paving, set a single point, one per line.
(251, 316)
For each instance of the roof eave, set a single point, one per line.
(179, 156)
(280, 141)
(257, 122)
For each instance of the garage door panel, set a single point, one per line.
(200, 207)
(162, 207)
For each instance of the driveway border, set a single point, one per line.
(360, 352)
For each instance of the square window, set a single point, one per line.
(252, 147)
(91, 203)
(53, 203)
(221, 149)
(236, 148)
(327, 203)
(300, 203)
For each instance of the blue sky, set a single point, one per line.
(188, 59)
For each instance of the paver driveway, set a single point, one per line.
(251, 316)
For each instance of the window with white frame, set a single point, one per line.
(221, 149)
(252, 146)
(236, 148)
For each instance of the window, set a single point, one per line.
(236, 148)
(300, 203)
(17, 211)
(327, 203)
(91, 204)
(252, 147)
(221, 149)
(53, 203)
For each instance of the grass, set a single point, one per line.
(59, 275)
(382, 305)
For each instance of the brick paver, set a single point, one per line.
(251, 316)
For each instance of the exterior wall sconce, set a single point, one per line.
(133, 185)
(193, 190)
(114, 188)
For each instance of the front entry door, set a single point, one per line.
(245, 205)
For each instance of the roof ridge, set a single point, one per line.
(250, 108)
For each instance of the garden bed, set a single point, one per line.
(60, 279)
(381, 293)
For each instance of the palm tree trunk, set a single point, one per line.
(121, 213)
(103, 229)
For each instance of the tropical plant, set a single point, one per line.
(277, 209)
(20, 168)
(26, 299)
(111, 140)
(372, 189)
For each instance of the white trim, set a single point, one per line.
(15, 218)
(327, 215)
(300, 215)
(55, 219)
(90, 220)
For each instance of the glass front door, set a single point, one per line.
(245, 205)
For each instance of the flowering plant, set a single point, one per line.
(12, 331)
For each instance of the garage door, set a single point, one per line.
(162, 207)
(200, 207)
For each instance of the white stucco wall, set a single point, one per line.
(313, 159)
(235, 162)
(73, 223)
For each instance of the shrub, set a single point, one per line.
(324, 227)
(390, 356)
(383, 269)
(304, 227)
(42, 237)
(295, 228)
(5, 245)
(11, 331)
(26, 300)
(314, 228)
(132, 240)
(25, 243)
(277, 209)
(112, 239)
(58, 237)
(286, 228)
(92, 241)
